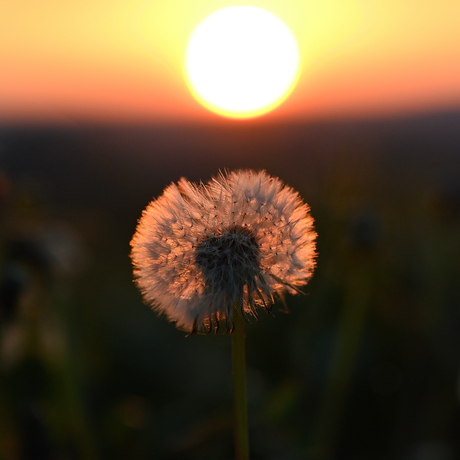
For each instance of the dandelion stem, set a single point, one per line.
(239, 387)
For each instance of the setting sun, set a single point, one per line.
(241, 62)
(164, 62)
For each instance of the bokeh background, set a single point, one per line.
(95, 120)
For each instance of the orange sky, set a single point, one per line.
(84, 60)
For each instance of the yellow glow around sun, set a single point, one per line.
(241, 62)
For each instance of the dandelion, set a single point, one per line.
(241, 240)
(204, 254)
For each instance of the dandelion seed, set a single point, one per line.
(200, 250)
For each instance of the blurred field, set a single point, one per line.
(365, 367)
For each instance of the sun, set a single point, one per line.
(241, 62)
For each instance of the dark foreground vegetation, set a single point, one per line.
(366, 366)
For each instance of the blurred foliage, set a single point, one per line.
(366, 366)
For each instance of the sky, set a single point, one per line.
(122, 60)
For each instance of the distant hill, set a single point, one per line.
(116, 167)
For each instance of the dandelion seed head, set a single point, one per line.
(201, 249)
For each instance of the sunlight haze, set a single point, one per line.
(102, 60)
